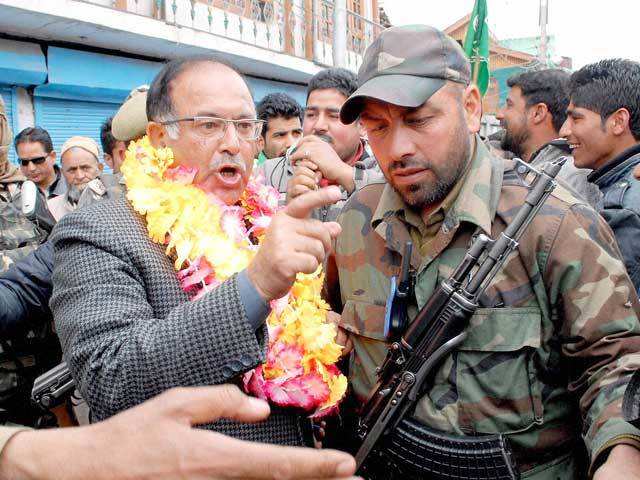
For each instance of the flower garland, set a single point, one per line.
(211, 241)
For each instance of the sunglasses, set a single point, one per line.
(36, 161)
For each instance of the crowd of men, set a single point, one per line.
(372, 161)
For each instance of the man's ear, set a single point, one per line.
(472, 105)
(539, 113)
(100, 166)
(260, 143)
(363, 132)
(119, 153)
(157, 134)
(619, 121)
(108, 159)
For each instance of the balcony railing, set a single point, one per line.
(302, 28)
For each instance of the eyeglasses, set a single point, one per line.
(212, 127)
(36, 161)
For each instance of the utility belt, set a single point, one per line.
(415, 451)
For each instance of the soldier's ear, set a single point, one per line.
(472, 106)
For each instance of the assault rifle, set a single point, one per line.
(387, 432)
(51, 389)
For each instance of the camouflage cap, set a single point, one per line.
(405, 66)
(130, 121)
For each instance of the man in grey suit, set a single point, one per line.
(127, 328)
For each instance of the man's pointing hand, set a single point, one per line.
(293, 243)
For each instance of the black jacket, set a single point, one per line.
(620, 205)
(25, 290)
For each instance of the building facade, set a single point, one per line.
(66, 65)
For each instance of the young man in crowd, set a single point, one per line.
(535, 109)
(38, 161)
(603, 130)
(330, 152)
(80, 165)
(112, 149)
(283, 125)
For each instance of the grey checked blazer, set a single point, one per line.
(129, 332)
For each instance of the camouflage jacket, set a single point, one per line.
(277, 173)
(18, 235)
(550, 351)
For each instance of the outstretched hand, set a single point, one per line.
(157, 440)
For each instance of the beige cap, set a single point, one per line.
(84, 143)
(130, 122)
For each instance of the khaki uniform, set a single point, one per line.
(549, 353)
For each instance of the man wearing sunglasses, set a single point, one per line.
(38, 161)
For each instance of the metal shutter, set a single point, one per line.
(7, 96)
(64, 118)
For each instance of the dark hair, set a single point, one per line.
(277, 105)
(159, 105)
(34, 134)
(607, 86)
(107, 139)
(548, 86)
(343, 80)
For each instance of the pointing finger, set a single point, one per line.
(302, 206)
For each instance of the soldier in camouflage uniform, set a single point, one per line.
(18, 236)
(549, 353)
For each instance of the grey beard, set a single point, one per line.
(74, 192)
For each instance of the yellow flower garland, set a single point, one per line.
(182, 217)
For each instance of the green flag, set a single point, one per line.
(476, 45)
